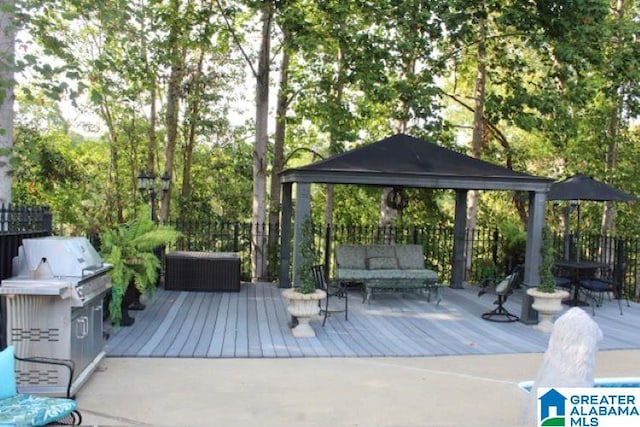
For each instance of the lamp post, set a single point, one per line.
(147, 184)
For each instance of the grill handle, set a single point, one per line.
(91, 269)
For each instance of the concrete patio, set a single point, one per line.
(471, 390)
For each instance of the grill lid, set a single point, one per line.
(59, 257)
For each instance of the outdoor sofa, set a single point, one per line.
(388, 268)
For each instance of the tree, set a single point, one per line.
(258, 220)
(7, 63)
(621, 70)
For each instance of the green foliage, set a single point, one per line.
(515, 239)
(487, 272)
(306, 283)
(129, 248)
(547, 282)
(65, 173)
(556, 73)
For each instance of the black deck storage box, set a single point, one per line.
(203, 271)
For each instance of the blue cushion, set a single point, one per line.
(26, 409)
(7, 373)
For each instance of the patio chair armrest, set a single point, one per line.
(68, 364)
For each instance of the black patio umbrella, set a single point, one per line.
(583, 187)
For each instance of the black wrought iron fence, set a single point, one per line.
(14, 218)
(18, 223)
(233, 237)
(482, 245)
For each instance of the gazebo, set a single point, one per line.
(404, 161)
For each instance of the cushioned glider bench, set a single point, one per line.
(394, 268)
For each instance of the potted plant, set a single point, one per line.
(547, 300)
(303, 297)
(129, 248)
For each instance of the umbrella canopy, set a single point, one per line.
(582, 187)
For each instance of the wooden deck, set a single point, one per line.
(253, 324)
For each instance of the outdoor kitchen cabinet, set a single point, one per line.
(86, 335)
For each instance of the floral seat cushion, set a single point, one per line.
(26, 409)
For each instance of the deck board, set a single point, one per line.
(253, 323)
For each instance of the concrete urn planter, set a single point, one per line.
(303, 307)
(547, 305)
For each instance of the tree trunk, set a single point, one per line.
(613, 134)
(173, 100)
(193, 119)
(259, 253)
(152, 139)
(478, 136)
(153, 114)
(7, 52)
(387, 215)
(278, 148)
(114, 197)
(333, 137)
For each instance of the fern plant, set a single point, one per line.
(129, 248)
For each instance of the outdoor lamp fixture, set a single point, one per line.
(147, 184)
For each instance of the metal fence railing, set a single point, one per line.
(24, 218)
(18, 223)
(621, 254)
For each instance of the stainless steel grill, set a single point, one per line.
(54, 309)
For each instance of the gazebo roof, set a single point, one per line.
(402, 160)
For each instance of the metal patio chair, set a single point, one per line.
(334, 290)
(596, 288)
(27, 409)
(503, 289)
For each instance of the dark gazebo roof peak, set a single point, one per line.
(405, 160)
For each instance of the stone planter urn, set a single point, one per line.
(547, 304)
(303, 307)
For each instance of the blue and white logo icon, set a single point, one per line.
(552, 408)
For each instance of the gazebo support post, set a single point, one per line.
(459, 231)
(285, 236)
(303, 210)
(537, 201)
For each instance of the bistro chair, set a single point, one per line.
(334, 290)
(596, 288)
(562, 278)
(30, 410)
(503, 289)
